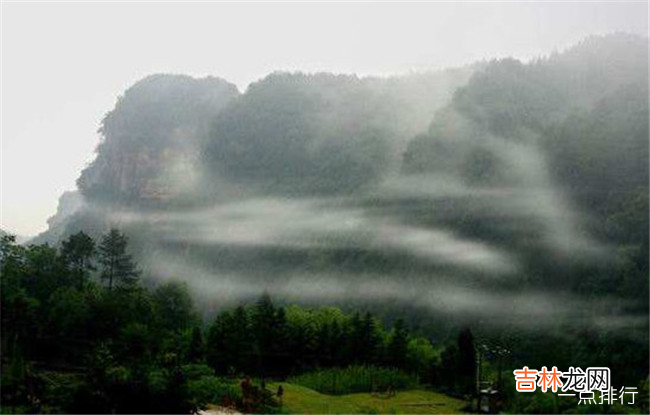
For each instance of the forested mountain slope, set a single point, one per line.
(525, 196)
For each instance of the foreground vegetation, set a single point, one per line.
(81, 333)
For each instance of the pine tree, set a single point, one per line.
(263, 325)
(370, 340)
(77, 252)
(398, 345)
(466, 360)
(117, 266)
(354, 339)
(242, 339)
(280, 327)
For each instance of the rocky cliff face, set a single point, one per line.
(69, 203)
(151, 139)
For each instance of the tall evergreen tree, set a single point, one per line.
(77, 252)
(370, 339)
(117, 265)
(398, 345)
(264, 321)
(466, 361)
(241, 338)
(229, 348)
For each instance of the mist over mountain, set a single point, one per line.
(323, 133)
(517, 191)
(561, 142)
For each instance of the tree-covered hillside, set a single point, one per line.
(569, 131)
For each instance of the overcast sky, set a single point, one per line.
(63, 65)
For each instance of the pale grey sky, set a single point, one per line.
(64, 64)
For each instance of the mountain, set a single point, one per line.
(150, 139)
(172, 140)
(294, 133)
(508, 189)
(574, 123)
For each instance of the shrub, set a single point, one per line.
(211, 389)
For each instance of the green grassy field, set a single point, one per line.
(301, 400)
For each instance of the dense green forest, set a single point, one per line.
(80, 333)
(345, 234)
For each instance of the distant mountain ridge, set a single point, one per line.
(158, 136)
(491, 183)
